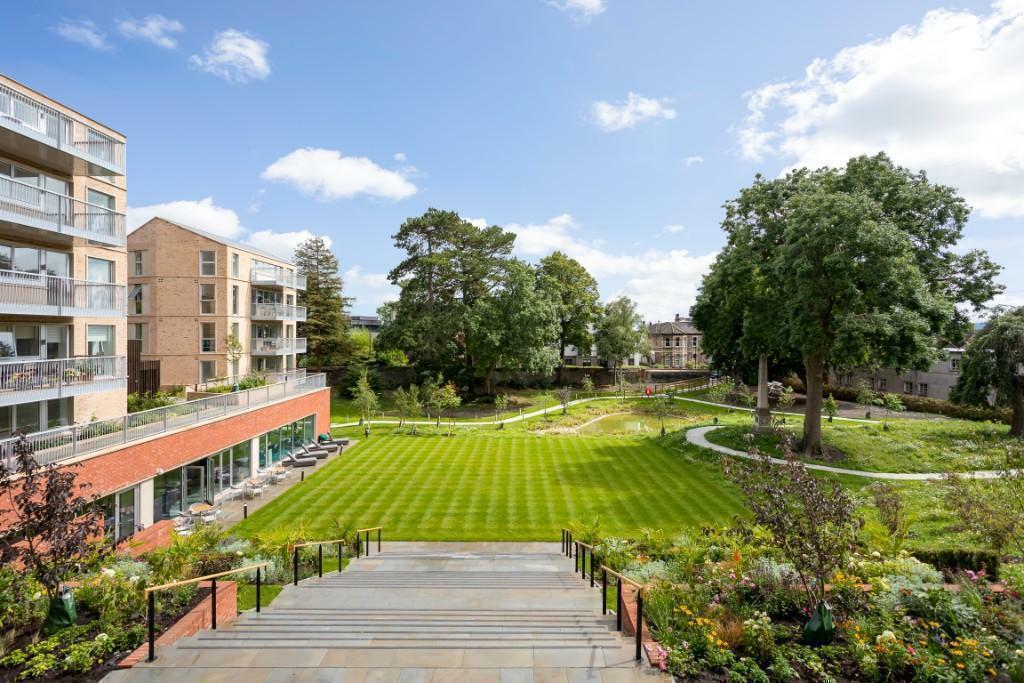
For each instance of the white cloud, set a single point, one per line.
(256, 205)
(202, 214)
(155, 28)
(477, 222)
(611, 117)
(672, 229)
(83, 31)
(370, 290)
(691, 161)
(326, 174)
(662, 282)
(234, 56)
(400, 157)
(281, 244)
(943, 95)
(582, 10)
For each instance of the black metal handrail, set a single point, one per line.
(359, 544)
(212, 578)
(569, 544)
(319, 556)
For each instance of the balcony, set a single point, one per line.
(276, 277)
(35, 294)
(261, 311)
(34, 207)
(33, 130)
(25, 381)
(277, 346)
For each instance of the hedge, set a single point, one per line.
(961, 560)
(921, 404)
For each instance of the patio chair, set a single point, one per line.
(277, 476)
(253, 488)
(318, 453)
(184, 524)
(211, 515)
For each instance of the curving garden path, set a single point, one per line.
(698, 437)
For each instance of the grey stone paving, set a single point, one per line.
(419, 613)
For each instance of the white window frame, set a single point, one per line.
(212, 301)
(203, 339)
(138, 263)
(203, 263)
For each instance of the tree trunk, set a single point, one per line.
(1017, 423)
(814, 365)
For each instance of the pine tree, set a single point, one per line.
(327, 323)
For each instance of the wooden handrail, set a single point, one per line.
(585, 545)
(372, 528)
(183, 582)
(623, 577)
(309, 543)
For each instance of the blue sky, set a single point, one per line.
(612, 129)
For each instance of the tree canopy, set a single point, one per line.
(620, 331)
(577, 300)
(326, 325)
(842, 268)
(993, 366)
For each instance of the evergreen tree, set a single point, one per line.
(326, 325)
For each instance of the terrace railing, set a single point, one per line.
(280, 277)
(45, 210)
(35, 119)
(57, 377)
(277, 346)
(270, 377)
(263, 311)
(63, 443)
(38, 294)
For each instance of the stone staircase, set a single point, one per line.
(503, 613)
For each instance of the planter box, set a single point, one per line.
(193, 622)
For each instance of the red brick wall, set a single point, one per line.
(127, 466)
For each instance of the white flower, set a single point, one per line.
(876, 554)
(886, 637)
(133, 579)
(108, 572)
(37, 595)
(102, 636)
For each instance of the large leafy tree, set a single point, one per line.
(993, 366)
(326, 325)
(843, 268)
(514, 327)
(620, 331)
(450, 265)
(577, 298)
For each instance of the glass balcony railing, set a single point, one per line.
(24, 381)
(35, 294)
(276, 277)
(262, 311)
(42, 209)
(38, 121)
(277, 346)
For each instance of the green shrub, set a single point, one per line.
(22, 601)
(140, 402)
(958, 560)
(923, 404)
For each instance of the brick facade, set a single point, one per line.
(677, 344)
(137, 462)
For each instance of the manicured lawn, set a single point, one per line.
(247, 595)
(485, 484)
(909, 445)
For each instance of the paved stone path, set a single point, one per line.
(698, 437)
(419, 613)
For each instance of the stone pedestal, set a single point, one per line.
(763, 414)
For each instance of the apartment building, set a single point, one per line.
(62, 264)
(935, 382)
(676, 344)
(189, 291)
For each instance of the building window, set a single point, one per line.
(119, 520)
(908, 388)
(138, 262)
(677, 341)
(207, 370)
(100, 340)
(234, 265)
(234, 299)
(207, 263)
(100, 270)
(135, 299)
(207, 299)
(954, 365)
(922, 389)
(882, 383)
(208, 337)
